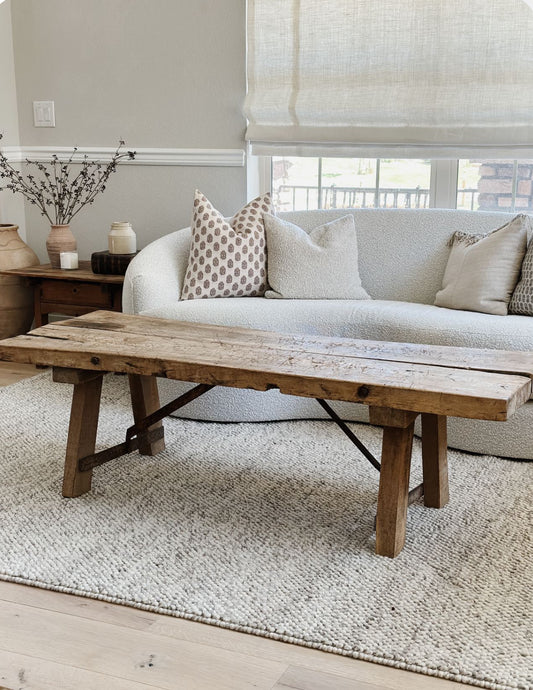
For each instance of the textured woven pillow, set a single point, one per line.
(482, 270)
(227, 259)
(322, 264)
(522, 299)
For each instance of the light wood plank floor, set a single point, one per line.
(53, 641)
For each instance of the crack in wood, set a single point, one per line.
(72, 323)
(48, 337)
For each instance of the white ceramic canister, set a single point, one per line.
(122, 239)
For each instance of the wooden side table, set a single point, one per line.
(70, 292)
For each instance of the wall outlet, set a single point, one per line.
(44, 114)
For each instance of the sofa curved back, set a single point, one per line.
(403, 252)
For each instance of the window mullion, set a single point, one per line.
(258, 175)
(320, 183)
(443, 185)
(378, 171)
(515, 185)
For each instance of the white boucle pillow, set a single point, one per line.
(482, 270)
(321, 264)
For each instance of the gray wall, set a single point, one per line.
(11, 206)
(8, 100)
(157, 73)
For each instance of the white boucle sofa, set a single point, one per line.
(402, 257)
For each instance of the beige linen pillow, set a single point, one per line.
(322, 264)
(227, 259)
(482, 270)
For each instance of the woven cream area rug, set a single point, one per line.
(268, 529)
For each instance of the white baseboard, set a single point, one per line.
(143, 156)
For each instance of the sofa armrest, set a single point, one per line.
(156, 274)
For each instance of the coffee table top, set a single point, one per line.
(462, 382)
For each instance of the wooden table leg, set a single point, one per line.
(393, 494)
(82, 428)
(435, 460)
(39, 319)
(144, 401)
(37, 314)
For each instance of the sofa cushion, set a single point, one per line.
(482, 270)
(226, 259)
(320, 264)
(367, 319)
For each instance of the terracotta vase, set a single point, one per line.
(59, 240)
(16, 299)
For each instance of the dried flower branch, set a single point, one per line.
(55, 188)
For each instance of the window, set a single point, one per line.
(495, 185)
(300, 183)
(305, 183)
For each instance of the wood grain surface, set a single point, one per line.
(84, 273)
(479, 384)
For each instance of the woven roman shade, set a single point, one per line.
(418, 78)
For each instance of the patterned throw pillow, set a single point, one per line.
(227, 259)
(522, 299)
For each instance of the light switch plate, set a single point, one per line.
(44, 114)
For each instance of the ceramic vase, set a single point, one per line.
(59, 240)
(16, 299)
(122, 239)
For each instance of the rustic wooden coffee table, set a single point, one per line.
(398, 381)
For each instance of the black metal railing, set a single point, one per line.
(468, 198)
(305, 197)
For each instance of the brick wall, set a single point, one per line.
(495, 186)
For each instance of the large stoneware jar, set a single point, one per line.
(16, 299)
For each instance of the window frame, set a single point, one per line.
(444, 175)
(443, 180)
(443, 183)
